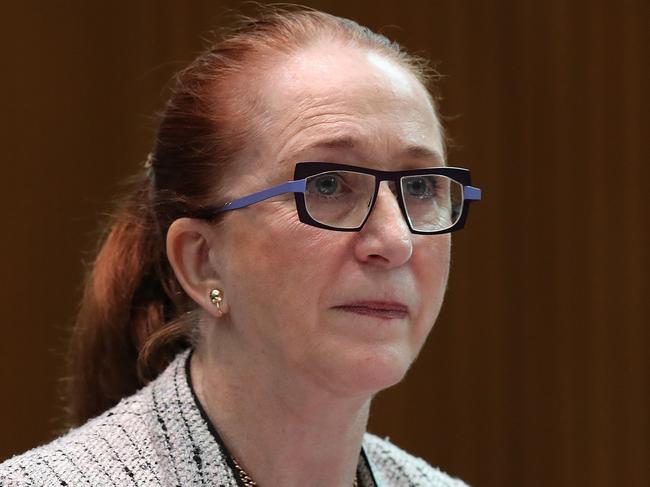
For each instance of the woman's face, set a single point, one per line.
(287, 283)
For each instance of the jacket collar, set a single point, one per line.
(194, 444)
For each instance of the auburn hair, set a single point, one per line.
(134, 316)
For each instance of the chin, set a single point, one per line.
(376, 369)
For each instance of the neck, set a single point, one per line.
(315, 438)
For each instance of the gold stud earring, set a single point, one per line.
(216, 297)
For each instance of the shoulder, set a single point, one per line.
(397, 468)
(110, 449)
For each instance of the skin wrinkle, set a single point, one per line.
(298, 136)
(304, 121)
(299, 140)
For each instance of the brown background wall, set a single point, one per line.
(537, 372)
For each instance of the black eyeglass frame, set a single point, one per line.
(304, 170)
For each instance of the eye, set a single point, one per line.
(327, 185)
(421, 187)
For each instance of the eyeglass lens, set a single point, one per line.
(342, 199)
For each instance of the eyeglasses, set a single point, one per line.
(340, 197)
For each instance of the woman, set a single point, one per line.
(280, 261)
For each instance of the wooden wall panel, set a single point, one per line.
(536, 373)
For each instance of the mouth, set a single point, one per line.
(378, 309)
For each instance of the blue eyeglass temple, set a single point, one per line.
(470, 193)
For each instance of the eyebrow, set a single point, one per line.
(347, 142)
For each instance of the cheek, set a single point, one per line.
(297, 253)
(278, 264)
(431, 267)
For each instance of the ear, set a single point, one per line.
(188, 250)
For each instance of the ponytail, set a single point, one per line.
(123, 336)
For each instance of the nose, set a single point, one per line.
(385, 239)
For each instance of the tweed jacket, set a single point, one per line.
(161, 436)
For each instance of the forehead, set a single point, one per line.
(333, 92)
(334, 69)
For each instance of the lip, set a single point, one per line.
(380, 309)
